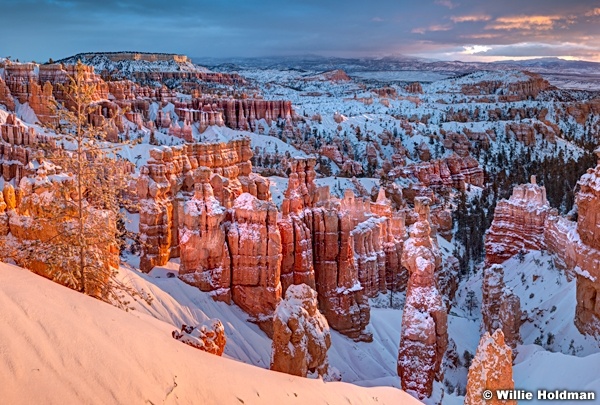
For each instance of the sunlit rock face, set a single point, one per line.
(491, 369)
(518, 224)
(424, 321)
(301, 335)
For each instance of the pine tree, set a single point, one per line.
(87, 204)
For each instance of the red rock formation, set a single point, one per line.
(459, 143)
(519, 90)
(414, 88)
(452, 171)
(209, 336)
(18, 147)
(156, 212)
(354, 247)
(204, 254)
(18, 76)
(297, 265)
(170, 171)
(255, 248)
(526, 221)
(518, 223)
(5, 97)
(424, 321)
(524, 133)
(337, 75)
(237, 114)
(500, 308)
(301, 335)
(491, 369)
(40, 100)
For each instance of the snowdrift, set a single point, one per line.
(60, 347)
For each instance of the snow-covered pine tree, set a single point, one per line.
(83, 252)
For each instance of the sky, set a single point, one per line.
(467, 30)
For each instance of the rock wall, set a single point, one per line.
(169, 175)
(424, 335)
(237, 114)
(491, 369)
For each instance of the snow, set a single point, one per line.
(58, 346)
(540, 369)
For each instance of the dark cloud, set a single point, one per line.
(40, 29)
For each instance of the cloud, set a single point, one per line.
(535, 49)
(592, 13)
(431, 28)
(470, 18)
(471, 50)
(446, 3)
(524, 22)
(480, 36)
(377, 19)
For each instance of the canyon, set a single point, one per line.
(329, 212)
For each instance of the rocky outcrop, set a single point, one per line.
(491, 369)
(518, 223)
(526, 221)
(325, 245)
(301, 335)
(209, 336)
(202, 203)
(18, 148)
(424, 335)
(500, 308)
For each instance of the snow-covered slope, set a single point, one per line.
(60, 347)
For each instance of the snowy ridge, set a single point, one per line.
(102, 62)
